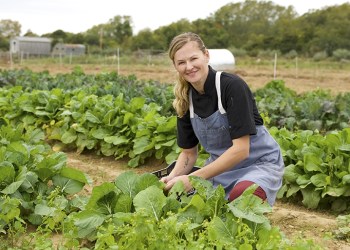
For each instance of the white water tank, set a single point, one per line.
(221, 59)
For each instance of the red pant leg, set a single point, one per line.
(243, 185)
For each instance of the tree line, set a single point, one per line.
(249, 26)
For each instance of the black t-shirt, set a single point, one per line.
(238, 101)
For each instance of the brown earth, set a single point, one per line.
(335, 79)
(295, 221)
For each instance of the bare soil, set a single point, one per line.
(336, 80)
(295, 221)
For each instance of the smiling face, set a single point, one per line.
(192, 64)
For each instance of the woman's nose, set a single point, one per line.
(189, 65)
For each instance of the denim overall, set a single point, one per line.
(264, 165)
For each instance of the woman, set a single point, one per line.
(218, 110)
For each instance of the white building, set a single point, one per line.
(65, 49)
(30, 45)
(221, 59)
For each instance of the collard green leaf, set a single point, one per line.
(196, 210)
(345, 148)
(143, 144)
(69, 136)
(291, 173)
(67, 185)
(320, 180)
(100, 133)
(44, 210)
(335, 191)
(293, 189)
(98, 192)
(151, 200)
(123, 204)
(304, 180)
(168, 126)
(7, 173)
(126, 182)
(250, 207)
(146, 180)
(311, 197)
(223, 231)
(216, 202)
(13, 187)
(269, 238)
(136, 103)
(75, 174)
(346, 179)
(91, 117)
(312, 163)
(116, 140)
(87, 222)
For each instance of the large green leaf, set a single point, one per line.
(75, 174)
(126, 183)
(311, 197)
(250, 207)
(69, 136)
(87, 222)
(312, 163)
(92, 118)
(320, 180)
(7, 172)
(116, 140)
(335, 191)
(223, 231)
(44, 210)
(98, 192)
(151, 201)
(143, 144)
(67, 185)
(13, 187)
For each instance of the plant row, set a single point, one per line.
(284, 107)
(317, 165)
(37, 188)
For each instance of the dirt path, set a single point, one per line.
(296, 222)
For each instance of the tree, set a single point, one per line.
(212, 33)
(326, 29)
(30, 33)
(118, 30)
(165, 34)
(145, 39)
(248, 23)
(9, 28)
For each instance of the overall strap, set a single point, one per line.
(191, 105)
(218, 90)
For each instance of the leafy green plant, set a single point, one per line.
(343, 230)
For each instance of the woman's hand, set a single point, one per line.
(170, 182)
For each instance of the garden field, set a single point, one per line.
(295, 220)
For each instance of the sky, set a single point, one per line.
(75, 16)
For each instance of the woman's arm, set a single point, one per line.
(238, 152)
(184, 164)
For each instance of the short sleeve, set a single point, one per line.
(186, 138)
(239, 107)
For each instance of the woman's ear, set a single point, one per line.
(207, 55)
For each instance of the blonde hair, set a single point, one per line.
(181, 89)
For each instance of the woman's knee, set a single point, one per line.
(240, 187)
